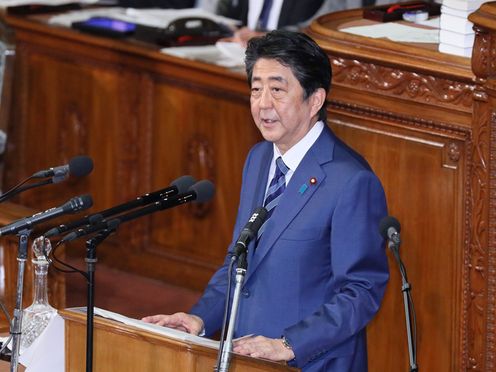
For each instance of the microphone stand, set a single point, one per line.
(13, 192)
(22, 253)
(406, 289)
(227, 348)
(91, 261)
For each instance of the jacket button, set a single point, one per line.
(246, 293)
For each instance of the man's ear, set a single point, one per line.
(317, 100)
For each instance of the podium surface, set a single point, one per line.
(122, 348)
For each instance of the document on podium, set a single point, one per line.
(396, 32)
(165, 331)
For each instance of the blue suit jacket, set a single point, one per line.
(319, 270)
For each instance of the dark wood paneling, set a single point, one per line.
(145, 118)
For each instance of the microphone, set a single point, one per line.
(78, 166)
(390, 228)
(177, 186)
(250, 230)
(104, 225)
(74, 205)
(201, 192)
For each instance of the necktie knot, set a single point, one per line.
(283, 168)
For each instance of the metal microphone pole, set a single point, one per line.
(91, 261)
(22, 253)
(406, 288)
(227, 349)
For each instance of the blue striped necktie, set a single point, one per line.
(274, 192)
(263, 20)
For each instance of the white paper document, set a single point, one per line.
(159, 18)
(396, 32)
(165, 331)
(224, 54)
(47, 352)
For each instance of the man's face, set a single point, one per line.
(277, 105)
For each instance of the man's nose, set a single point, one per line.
(265, 99)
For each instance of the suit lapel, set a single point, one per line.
(261, 169)
(296, 195)
(263, 174)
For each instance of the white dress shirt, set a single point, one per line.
(293, 157)
(255, 8)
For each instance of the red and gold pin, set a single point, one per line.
(313, 181)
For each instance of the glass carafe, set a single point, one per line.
(35, 318)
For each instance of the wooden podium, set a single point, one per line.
(121, 348)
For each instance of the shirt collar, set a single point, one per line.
(293, 157)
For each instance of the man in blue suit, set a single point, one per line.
(317, 273)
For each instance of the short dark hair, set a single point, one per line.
(308, 62)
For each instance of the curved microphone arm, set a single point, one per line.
(19, 188)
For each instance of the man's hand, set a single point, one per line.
(181, 321)
(263, 347)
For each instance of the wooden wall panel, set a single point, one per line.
(425, 194)
(76, 109)
(145, 118)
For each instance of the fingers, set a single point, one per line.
(263, 347)
(195, 324)
(181, 321)
(154, 319)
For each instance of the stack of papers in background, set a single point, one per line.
(456, 35)
(160, 18)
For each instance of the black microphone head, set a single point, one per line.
(386, 223)
(78, 203)
(52, 232)
(258, 218)
(204, 190)
(250, 230)
(95, 219)
(69, 237)
(113, 224)
(183, 183)
(80, 166)
(86, 201)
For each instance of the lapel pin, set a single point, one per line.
(313, 181)
(303, 188)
